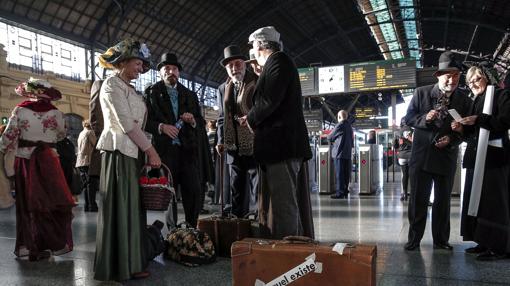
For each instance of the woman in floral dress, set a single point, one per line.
(43, 200)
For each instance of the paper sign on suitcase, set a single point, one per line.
(297, 261)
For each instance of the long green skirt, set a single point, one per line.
(119, 238)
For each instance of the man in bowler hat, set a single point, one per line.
(235, 100)
(173, 116)
(434, 153)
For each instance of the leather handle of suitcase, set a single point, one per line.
(299, 239)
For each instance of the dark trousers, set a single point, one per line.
(404, 167)
(279, 213)
(222, 182)
(243, 185)
(342, 173)
(467, 222)
(89, 186)
(421, 186)
(184, 168)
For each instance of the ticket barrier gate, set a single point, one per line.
(325, 166)
(370, 176)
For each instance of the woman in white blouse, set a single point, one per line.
(121, 222)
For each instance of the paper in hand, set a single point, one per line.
(456, 116)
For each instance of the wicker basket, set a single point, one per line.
(157, 192)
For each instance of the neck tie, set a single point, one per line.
(174, 99)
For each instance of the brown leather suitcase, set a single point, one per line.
(281, 262)
(223, 231)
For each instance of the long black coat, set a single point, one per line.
(159, 110)
(498, 124)
(425, 156)
(277, 114)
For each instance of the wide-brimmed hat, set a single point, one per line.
(38, 88)
(169, 59)
(265, 34)
(126, 49)
(231, 52)
(447, 63)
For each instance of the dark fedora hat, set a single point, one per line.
(447, 63)
(232, 52)
(169, 59)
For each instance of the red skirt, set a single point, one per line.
(43, 205)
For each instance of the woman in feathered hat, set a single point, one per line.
(119, 254)
(43, 200)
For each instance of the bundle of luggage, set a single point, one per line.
(189, 246)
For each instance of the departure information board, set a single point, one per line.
(359, 77)
(370, 76)
(307, 80)
(365, 112)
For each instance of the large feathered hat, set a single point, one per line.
(126, 49)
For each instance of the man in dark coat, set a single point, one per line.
(281, 141)
(235, 96)
(173, 119)
(434, 152)
(342, 139)
(96, 124)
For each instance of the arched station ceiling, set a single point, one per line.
(314, 32)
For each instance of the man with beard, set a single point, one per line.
(174, 119)
(434, 153)
(236, 98)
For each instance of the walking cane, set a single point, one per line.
(221, 181)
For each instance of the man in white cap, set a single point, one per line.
(281, 141)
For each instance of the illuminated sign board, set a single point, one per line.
(307, 80)
(368, 76)
(365, 112)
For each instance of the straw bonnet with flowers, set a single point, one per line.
(41, 90)
(38, 88)
(125, 50)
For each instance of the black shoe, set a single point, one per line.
(476, 250)
(204, 211)
(445, 246)
(335, 196)
(410, 246)
(490, 256)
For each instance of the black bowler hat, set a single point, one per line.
(231, 53)
(447, 63)
(169, 59)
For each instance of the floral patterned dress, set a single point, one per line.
(43, 200)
